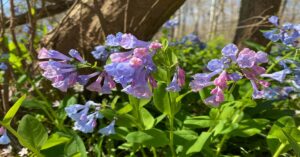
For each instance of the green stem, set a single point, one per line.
(154, 152)
(280, 149)
(22, 140)
(219, 147)
(171, 136)
(171, 121)
(276, 62)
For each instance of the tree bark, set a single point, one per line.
(89, 21)
(252, 18)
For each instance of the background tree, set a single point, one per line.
(252, 18)
(88, 22)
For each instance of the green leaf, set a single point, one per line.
(200, 142)
(198, 122)
(161, 99)
(276, 136)
(250, 127)
(178, 99)
(13, 110)
(147, 118)
(32, 131)
(293, 143)
(54, 140)
(127, 108)
(183, 136)
(152, 137)
(114, 102)
(75, 147)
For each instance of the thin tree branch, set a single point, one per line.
(12, 27)
(49, 10)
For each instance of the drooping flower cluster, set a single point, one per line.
(133, 67)
(247, 62)
(86, 116)
(62, 71)
(287, 33)
(4, 139)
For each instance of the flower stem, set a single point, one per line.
(279, 150)
(171, 136)
(171, 121)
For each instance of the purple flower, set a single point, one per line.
(100, 53)
(83, 79)
(171, 23)
(129, 41)
(216, 98)
(105, 87)
(178, 81)
(246, 58)
(139, 86)
(235, 76)
(95, 86)
(84, 121)
(215, 64)
(114, 40)
(75, 54)
(3, 66)
(257, 94)
(278, 76)
(230, 51)
(221, 81)
(202, 80)
(52, 54)
(272, 35)
(108, 130)
(274, 20)
(62, 75)
(261, 57)
(4, 139)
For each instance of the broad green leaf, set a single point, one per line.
(200, 142)
(183, 136)
(32, 131)
(250, 127)
(161, 98)
(127, 108)
(198, 122)
(75, 147)
(147, 118)
(276, 135)
(13, 110)
(293, 142)
(152, 137)
(54, 140)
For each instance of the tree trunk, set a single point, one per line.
(88, 22)
(253, 14)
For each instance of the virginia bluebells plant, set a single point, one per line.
(178, 81)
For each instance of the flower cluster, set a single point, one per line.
(171, 23)
(62, 71)
(85, 117)
(4, 139)
(288, 33)
(133, 67)
(245, 63)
